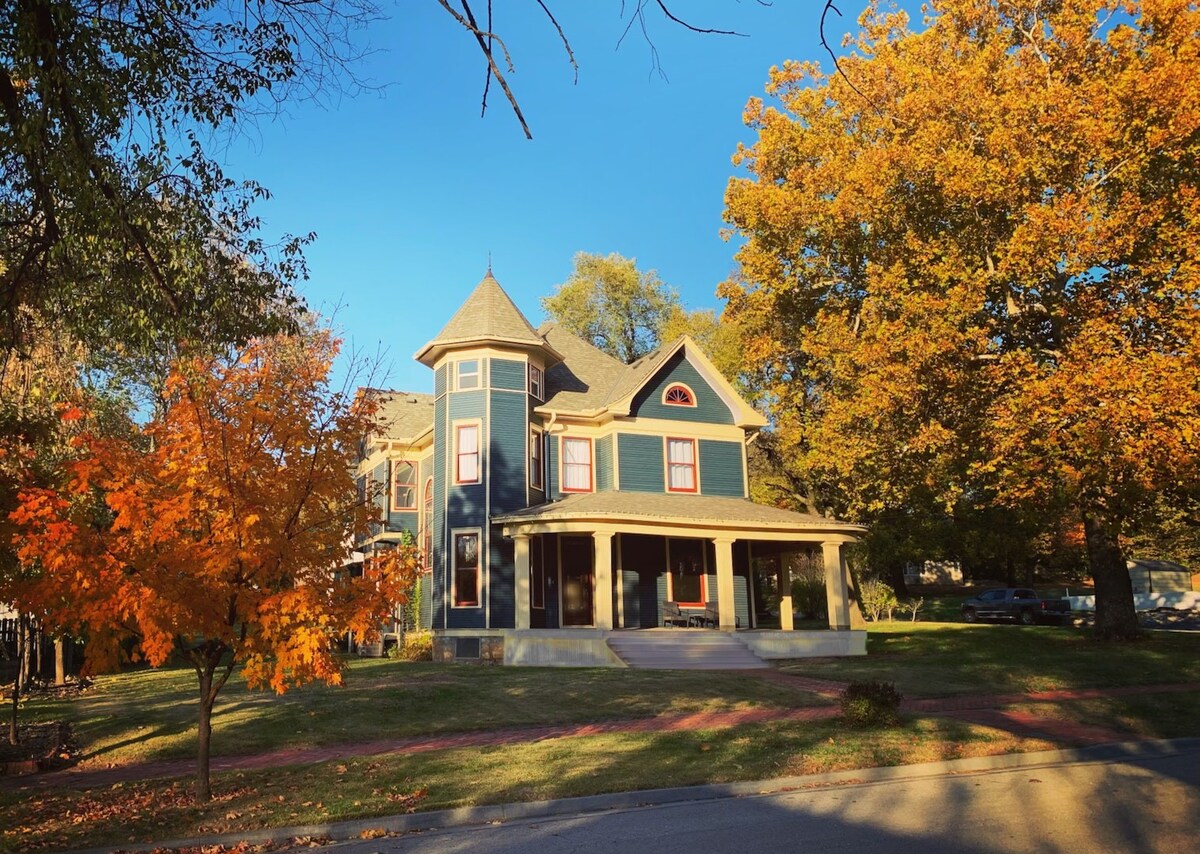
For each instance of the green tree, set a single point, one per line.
(610, 302)
(970, 269)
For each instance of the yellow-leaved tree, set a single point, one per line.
(971, 266)
(222, 531)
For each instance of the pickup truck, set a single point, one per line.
(1019, 604)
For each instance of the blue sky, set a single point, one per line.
(408, 189)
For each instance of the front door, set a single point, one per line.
(577, 581)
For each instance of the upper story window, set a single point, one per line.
(536, 382)
(466, 374)
(576, 465)
(535, 460)
(466, 453)
(679, 395)
(404, 485)
(681, 465)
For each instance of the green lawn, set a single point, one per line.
(945, 659)
(554, 768)
(151, 714)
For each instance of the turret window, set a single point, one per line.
(535, 460)
(466, 453)
(679, 395)
(536, 382)
(468, 374)
(466, 570)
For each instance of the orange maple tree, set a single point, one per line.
(222, 531)
(970, 271)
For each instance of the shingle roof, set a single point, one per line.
(585, 377)
(665, 507)
(488, 314)
(404, 414)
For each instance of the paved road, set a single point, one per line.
(1127, 806)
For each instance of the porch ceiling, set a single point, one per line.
(675, 515)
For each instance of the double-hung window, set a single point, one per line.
(427, 521)
(468, 374)
(681, 465)
(466, 453)
(576, 465)
(535, 460)
(404, 485)
(535, 382)
(466, 570)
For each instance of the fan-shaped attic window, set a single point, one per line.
(679, 395)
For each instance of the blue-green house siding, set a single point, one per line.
(604, 464)
(439, 381)
(721, 471)
(506, 477)
(466, 503)
(641, 460)
(709, 408)
(440, 535)
(508, 374)
(552, 479)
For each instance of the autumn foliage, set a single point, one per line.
(971, 273)
(221, 530)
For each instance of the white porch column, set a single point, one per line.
(725, 609)
(786, 617)
(521, 583)
(603, 600)
(837, 593)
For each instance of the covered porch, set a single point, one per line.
(609, 562)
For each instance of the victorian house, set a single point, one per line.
(563, 499)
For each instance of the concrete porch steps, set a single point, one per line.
(683, 649)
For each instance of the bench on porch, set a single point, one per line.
(669, 614)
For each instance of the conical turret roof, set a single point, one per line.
(488, 316)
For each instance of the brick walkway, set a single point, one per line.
(982, 709)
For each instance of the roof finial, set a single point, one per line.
(489, 272)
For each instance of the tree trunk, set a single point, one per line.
(896, 579)
(204, 735)
(60, 661)
(1116, 618)
(1010, 572)
(17, 678)
(26, 629)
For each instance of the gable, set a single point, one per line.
(710, 408)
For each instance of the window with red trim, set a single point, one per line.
(404, 485)
(678, 395)
(681, 465)
(466, 453)
(427, 539)
(466, 570)
(535, 459)
(576, 465)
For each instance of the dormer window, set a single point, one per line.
(679, 395)
(536, 382)
(468, 374)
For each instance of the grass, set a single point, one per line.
(557, 768)
(943, 659)
(151, 714)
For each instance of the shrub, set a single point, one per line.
(878, 599)
(871, 703)
(417, 646)
(912, 606)
(808, 596)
